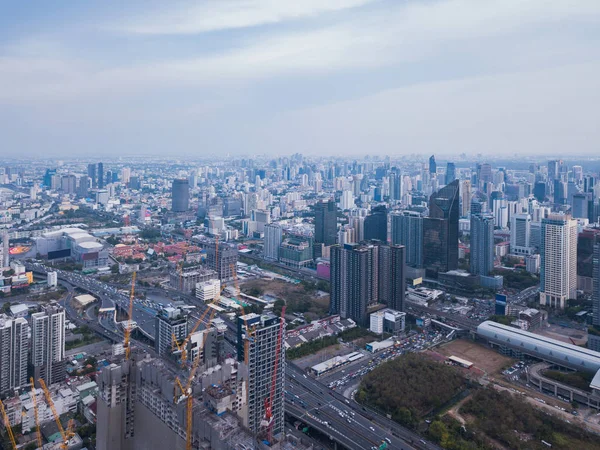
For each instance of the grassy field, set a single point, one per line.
(312, 303)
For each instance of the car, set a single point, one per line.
(372, 429)
(388, 440)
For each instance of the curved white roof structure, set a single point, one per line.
(540, 347)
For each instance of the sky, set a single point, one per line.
(320, 77)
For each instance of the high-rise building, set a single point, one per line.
(14, 345)
(482, 244)
(5, 249)
(392, 275)
(171, 323)
(84, 186)
(465, 196)
(440, 231)
(92, 175)
(579, 205)
(520, 233)
(68, 184)
(354, 281)
(52, 278)
(48, 344)
(100, 174)
(596, 287)
(180, 195)
(432, 165)
(450, 172)
(272, 241)
(407, 230)
(558, 271)
(325, 223)
(376, 224)
(222, 258)
(261, 350)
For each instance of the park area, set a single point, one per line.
(299, 298)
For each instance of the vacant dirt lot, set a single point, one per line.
(482, 357)
(314, 304)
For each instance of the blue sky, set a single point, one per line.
(320, 77)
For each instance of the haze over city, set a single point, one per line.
(344, 77)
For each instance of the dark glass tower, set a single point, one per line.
(450, 173)
(440, 231)
(376, 224)
(432, 165)
(180, 195)
(100, 180)
(325, 223)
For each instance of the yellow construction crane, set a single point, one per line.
(7, 426)
(128, 325)
(35, 415)
(66, 435)
(187, 391)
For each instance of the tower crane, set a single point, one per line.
(128, 325)
(35, 414)
(11, 436)
(66, 435)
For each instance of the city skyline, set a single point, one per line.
(347, 77)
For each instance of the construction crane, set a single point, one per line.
(7, 426)
(268, 421)
(128, 325)
(187, 391)
(35, 414)
(66, 435)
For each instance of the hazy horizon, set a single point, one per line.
(340, 78)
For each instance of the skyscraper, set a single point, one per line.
(432, 165)
(48, 344)
(68, 184)
(14, 345)
(92, 175)
(84, 185)
(272, 241)
(222, 258)
(407, 230)
(260, 348)
(354, 281)
(482, 244)
(450, 172)
(558, 270)
(539, 191)
(100, 181)
(465, 196)
(596, 286)
(392, 273)
(376, 224)
(180, 195)
(440, 231)
(325, 223)
(520, 233)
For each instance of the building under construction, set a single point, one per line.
(185, 279)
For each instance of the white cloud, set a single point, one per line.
(213, 15)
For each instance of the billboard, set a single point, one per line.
(59, 254)
(500, 304)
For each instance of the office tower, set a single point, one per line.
(180, 195)
(325, 223)
(539, 191)
(520, 233)
(272, 241)
(260, 348)
(222, 258)
(346, 200)
(92, 175)
(170, 323)
(395, 185)
(48, 344)
(554, 168)
(482, 244)
(558, 260)
(596, 286)
(485, 173)
(84, 186)
(465, 196)
(68, 184)
(354, 281)
(5, 250)
(450, 172)
(432, 165)
(376, 224)
(440, 231)
(100, 174)
(125, 175)
(579, 206)
(392, 273)
(14, 345)
(407, 230)
(560, 192)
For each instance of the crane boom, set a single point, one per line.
(128, 325)
(7, 426)
(35, 414)
(65, 435)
